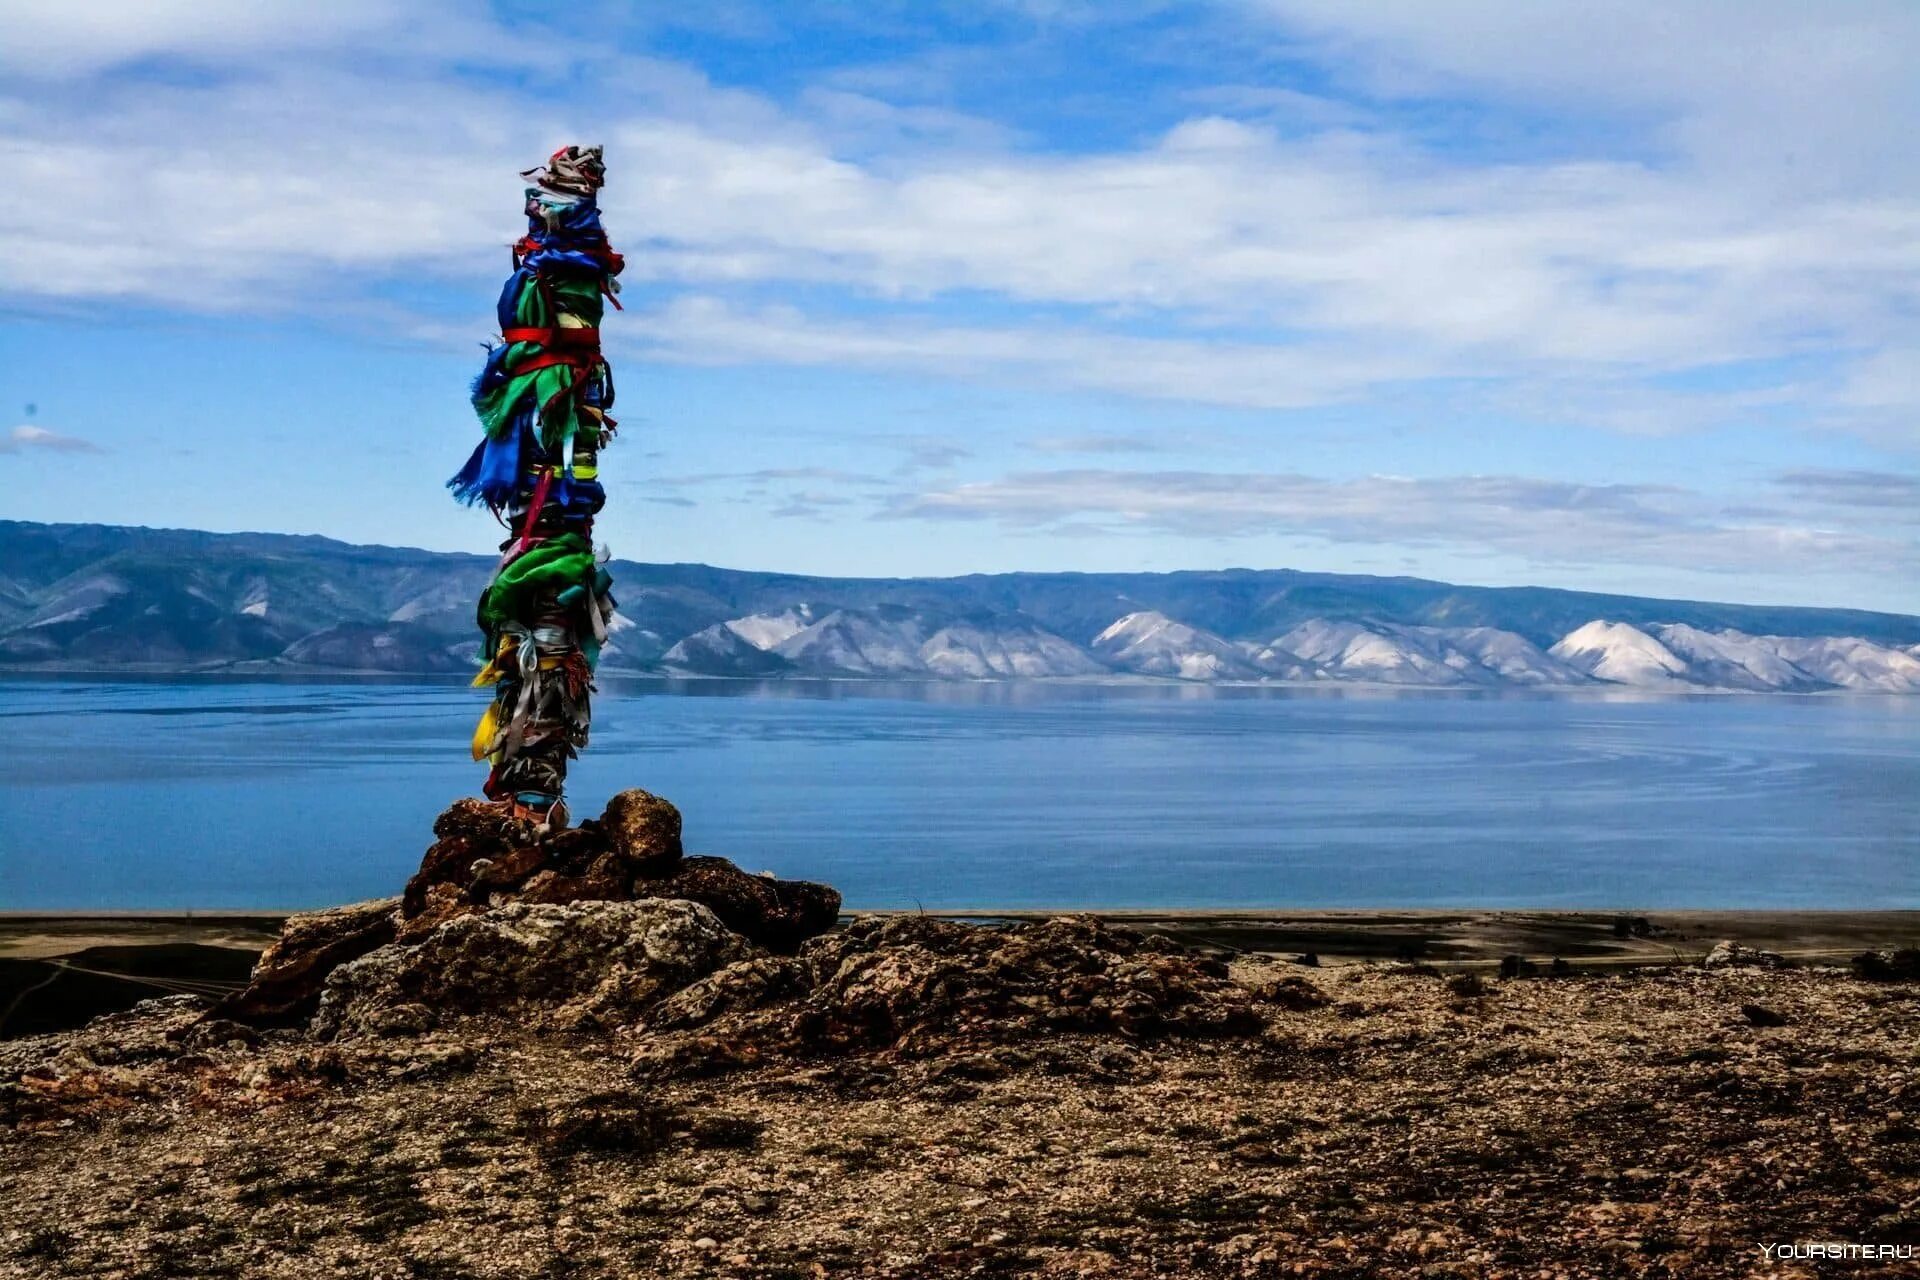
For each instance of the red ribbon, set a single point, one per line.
(540, 488)
(559, 336)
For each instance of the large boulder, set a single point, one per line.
(644, 830)
(581, 964)
(286, 982)
(777, 914)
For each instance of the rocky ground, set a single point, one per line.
(629, 1085)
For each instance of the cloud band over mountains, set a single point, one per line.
(1546, 522)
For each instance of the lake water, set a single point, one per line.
(256, 795)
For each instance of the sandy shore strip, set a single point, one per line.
(58, 971)
(1445, 936)
(1473, 937)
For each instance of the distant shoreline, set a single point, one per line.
(92, 599)
(1359, 931)
(609, 679)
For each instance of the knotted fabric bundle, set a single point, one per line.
(542, 400)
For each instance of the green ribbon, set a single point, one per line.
(554, 565)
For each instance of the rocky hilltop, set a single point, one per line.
(588, 1055)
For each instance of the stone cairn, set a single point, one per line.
(482, 860)
(610, 927)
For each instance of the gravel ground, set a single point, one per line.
(1382, 1121)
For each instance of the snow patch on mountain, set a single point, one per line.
(1509, 658)
(879, 642)
(1388, 653)
(1151, 643)
(890, 640)
(980, 649)
(718, 650)
(1729, 659)
(766, 630)
(1276, 663)
(79, 600)
(1352, 651)
(254, 601)
(1622, 653)
(1851, 663)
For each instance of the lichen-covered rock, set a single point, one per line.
(745, 984)
(1733, 955)
(580, 963)
(917, 988)
(924, 982)
(49, 1078)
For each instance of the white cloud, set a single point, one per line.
(707, 330)
(1222, 262)
(1097, 442)
(1544, 522)
(1891, 495)
(1886, 379)
(1755, 92)
(30, 438)
(50, 39)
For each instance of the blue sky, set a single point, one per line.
(1489, 291)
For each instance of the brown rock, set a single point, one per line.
(474, 868)
(551, 886)
(745, 984)
(482, 822)
(777, 914)
(444, 902)
(451, 858)
(644, 829)
(1902, 964)
(287, 982)
(574, 850)
(507, 871)
(608, 877)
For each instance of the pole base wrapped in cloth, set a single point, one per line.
(543, 401)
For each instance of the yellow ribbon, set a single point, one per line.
(485, 732)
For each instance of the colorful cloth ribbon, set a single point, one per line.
(542, 399)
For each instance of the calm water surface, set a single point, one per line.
(240, 795)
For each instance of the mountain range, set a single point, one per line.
(112, 598)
